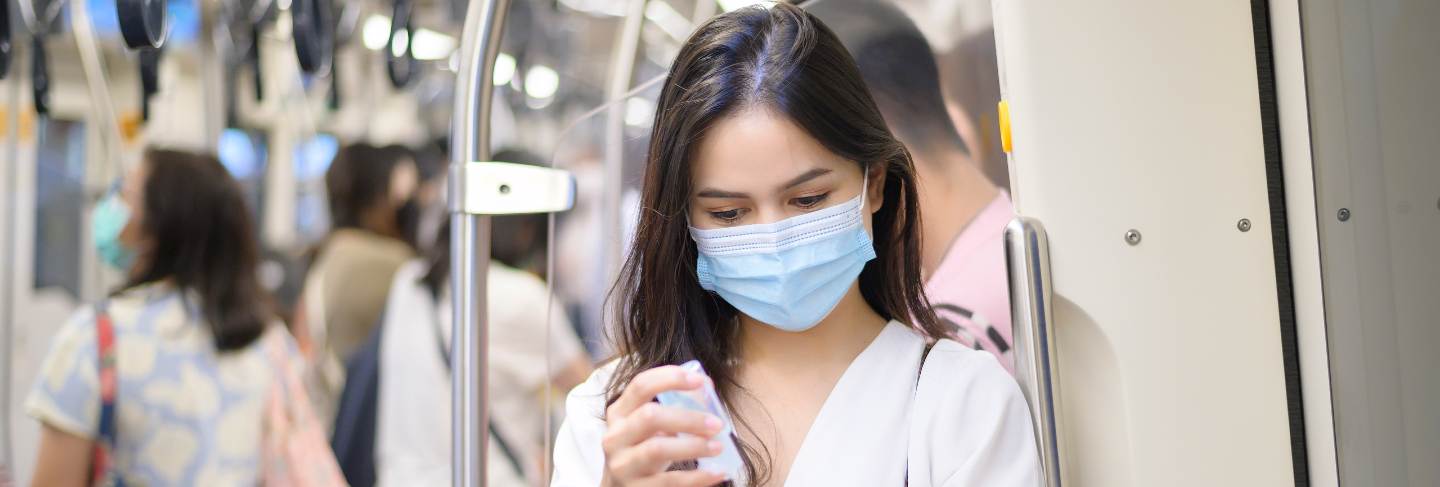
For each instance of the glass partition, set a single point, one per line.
(1372, 74)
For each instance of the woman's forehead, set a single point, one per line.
(756, 150)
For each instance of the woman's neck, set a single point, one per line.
(837, 339)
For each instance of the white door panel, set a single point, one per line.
(1145, 116)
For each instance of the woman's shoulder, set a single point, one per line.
(975, 425)
(953, 365)
(586, 401)
(594, 387)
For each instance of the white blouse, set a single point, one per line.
(964, 424)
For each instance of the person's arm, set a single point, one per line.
(66, 401)
(572, 373)
(63, 459)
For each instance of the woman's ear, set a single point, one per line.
(875, 178)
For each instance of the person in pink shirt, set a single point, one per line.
(963, 214)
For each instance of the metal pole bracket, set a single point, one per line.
(504, 188)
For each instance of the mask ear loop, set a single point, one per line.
(864, 188)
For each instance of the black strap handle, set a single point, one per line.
(314, 35)
(142, 22)
(149, 78)
(39, 75)
(4, 39)
(402, 67)
(252, 56)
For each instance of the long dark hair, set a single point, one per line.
(784, 60)
(199, 236)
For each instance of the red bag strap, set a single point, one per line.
(101, 471)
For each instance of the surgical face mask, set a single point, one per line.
(789, 274)
(109, 218)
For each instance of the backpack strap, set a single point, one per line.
(924, 356)
(102, 472)
(505, 448)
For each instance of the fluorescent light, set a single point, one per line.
(729, 5)
(612, 8)
(432, 46)
(376, 32)
(541, 82)
(504, 69)
(402, 41)
(429, 45)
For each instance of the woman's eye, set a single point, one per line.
(727, 215)
(810, 201)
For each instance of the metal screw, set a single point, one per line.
(1343, 214)
(1244, 225)
(1132, 237)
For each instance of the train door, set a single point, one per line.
(1220, 312)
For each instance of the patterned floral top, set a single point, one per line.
(186, 415)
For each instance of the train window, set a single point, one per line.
(312, 159)
(60, 206)
(244, 153)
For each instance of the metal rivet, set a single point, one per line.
(1343, 214)
(1244, 225)
(504, 189)
(1132, 237)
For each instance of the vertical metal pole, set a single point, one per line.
(8, 203)
(470, 241)
(622, 67)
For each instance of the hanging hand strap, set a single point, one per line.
(103, 473)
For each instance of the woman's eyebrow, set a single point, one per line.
(798, 180)
(801, 179)
(715, 193)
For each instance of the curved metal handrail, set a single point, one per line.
(1027, 255)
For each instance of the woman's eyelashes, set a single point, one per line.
(727, 216)
(809, 202)
(735, 215)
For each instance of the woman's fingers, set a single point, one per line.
(646, 385)
(653, 419)
(652, 456)
(686, 478)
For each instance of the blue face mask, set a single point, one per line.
(791, 273)
(106, 222)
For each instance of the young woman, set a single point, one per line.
(778, 245)
(188, 360)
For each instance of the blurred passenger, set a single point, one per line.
(172, 376)
(963, 253)
(779, 248)
(372, 211)
(414, 429)
(970, 77)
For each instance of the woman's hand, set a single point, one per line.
(642, 437)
